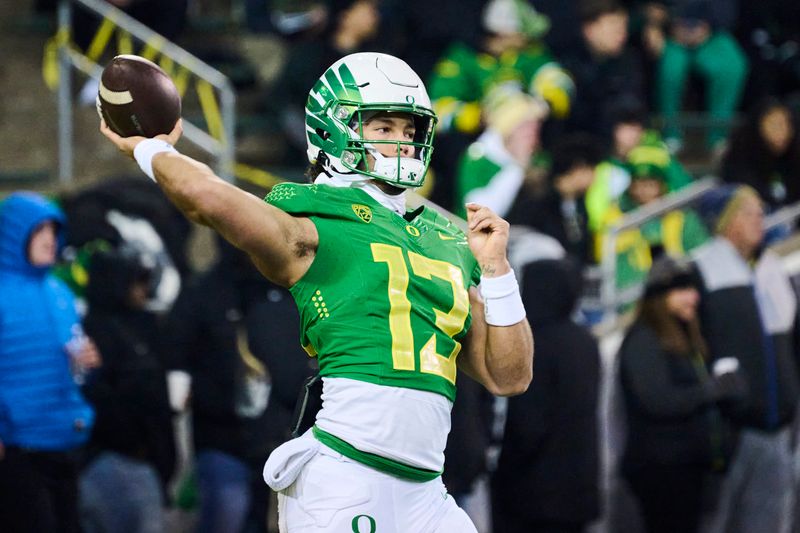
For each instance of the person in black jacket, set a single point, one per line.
(606, 70)
(560, 210)
(345, 27)
(235, 334)
(132, 442)
(468, 441)
(765, 154)
(676, 433)
(547, 474)
(748, 309)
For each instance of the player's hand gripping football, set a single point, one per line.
(488, 239)
(127, 144)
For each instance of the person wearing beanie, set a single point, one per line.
(44, 418)
(676, 433)
(735, 203)
(510, 52)
(676, 232)
(632, 141)
(131, 453)
(749, 312)
(547, 475)
(494, 167)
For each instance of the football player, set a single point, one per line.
(391, 301)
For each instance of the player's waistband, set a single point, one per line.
(382, 464)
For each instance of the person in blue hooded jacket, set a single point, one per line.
(44, 419)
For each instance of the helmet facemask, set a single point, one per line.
(395, 169)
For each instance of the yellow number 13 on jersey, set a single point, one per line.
(449, 323)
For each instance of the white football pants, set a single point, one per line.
(335, 494)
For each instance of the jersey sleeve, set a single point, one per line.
(476, 275)
(694, 231)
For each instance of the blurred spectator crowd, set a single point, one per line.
(565, 117)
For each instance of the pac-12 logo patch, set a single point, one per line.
(363, 212)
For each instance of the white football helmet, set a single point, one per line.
(354, 88)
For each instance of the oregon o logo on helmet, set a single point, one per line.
(370, 522)
(410, 98)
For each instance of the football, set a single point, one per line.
(136, 97)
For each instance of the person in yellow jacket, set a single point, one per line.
(633, 143)
(674, 233)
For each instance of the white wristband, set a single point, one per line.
(502, 300)
(145, 150)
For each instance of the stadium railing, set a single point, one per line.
(214, 90)
(603, 296)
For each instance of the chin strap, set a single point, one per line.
(396, 203)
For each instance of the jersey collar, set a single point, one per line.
(395, 203)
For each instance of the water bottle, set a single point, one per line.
(74, 348)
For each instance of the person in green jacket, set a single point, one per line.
(496, 165)
(511, 52)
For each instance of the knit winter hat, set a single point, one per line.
(515, 16)
(669, 273)
(643, 171)
(505, 109)
(718, 206)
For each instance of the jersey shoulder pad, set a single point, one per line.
(321, 201)
(295, 198)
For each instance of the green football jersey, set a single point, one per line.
(386, 298)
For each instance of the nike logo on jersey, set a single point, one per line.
(445, 237)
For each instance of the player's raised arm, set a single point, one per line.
(499, 346)
(281, 245)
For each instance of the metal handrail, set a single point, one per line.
(223, 150)
(610, 297)
(783, 215)
(608, 263)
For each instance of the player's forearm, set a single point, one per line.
(190, 185)
(240, 217)
(501, 332)
(498, 357)
(509, 357)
